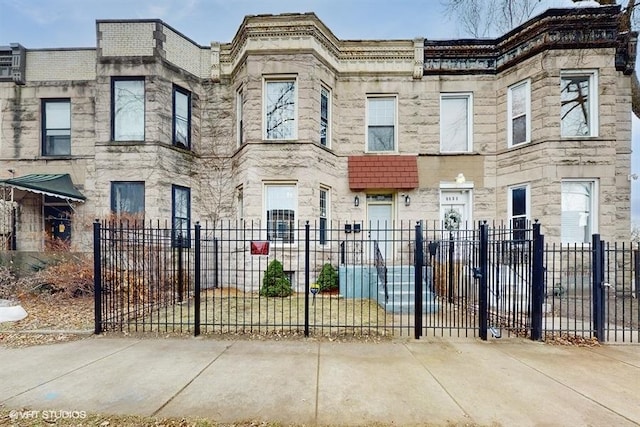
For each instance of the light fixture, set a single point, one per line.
(460, 179)
(407, 200)
(356, 201)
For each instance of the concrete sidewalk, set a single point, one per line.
(431, 381)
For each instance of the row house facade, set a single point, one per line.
(288, 123)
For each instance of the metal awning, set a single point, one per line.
(56, 185)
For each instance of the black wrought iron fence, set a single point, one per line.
(324, 280)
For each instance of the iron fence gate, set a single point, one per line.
(414, 279)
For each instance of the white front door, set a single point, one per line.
(380, 217)
(458, 200)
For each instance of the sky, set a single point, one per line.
(71, 23)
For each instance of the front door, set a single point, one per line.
(455, 206)
(57, 220)
(380, 217)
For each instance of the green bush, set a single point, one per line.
(274, 282)
(328, 278)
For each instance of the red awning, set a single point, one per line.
(383, 172)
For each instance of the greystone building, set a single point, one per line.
(288, 123)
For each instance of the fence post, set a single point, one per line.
(418, 264)
(636, 272)
(598, 290)
(306, 279)
(483, 296)
(196, 282)
(97, 279)
(537, 286)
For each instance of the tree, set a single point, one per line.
(481, 18)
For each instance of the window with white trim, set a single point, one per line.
(281, 205)
(519, 112)
(127, 103)
(381, 123)
(325, 109)
(324, 214)
(519, 210)
(578, 103)
(579, 215)
(280, 109)
(456, 122)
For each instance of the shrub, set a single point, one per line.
(328, 278)
(274, 282)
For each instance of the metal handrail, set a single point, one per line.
(381, 268)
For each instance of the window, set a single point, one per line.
(381, 119)
(56, 127)
(519, 110)
(127, 100)
(181, 216)
(240, 117)
(127, 197)
(280, 202)
(578, 211)
(325, 96)
(456, 122)
(6, 60)
(280, 109)
(240, 203)
(578, 103)
(519, 210)
(181, 117)
(324, 204)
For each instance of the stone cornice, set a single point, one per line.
(305, 32)
(580, 28)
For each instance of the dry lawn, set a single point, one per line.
(231, 311)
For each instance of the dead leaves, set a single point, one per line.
(566, 339)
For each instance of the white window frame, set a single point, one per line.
(395, 122)
(592, 102)
(527, 207)
(240, 116)
(593, 208)
(265, 204)
(280, 79)
(527, 113)
(327, 143)
(468, 96)
(327, 213)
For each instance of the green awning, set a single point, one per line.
(56, 185)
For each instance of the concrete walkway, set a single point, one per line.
(432, 381)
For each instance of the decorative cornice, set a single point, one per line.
(299, 32)
(578, 28)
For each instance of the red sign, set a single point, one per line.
(259, 248)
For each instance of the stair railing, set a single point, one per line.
(381, 268)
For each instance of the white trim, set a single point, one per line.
(468, 96)
(265, 185)
(527, 113)
(527, 188)
(593, 205)
(395, 123)
(329, 112)
(454, 185)
(280, 78)
(594, 112)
